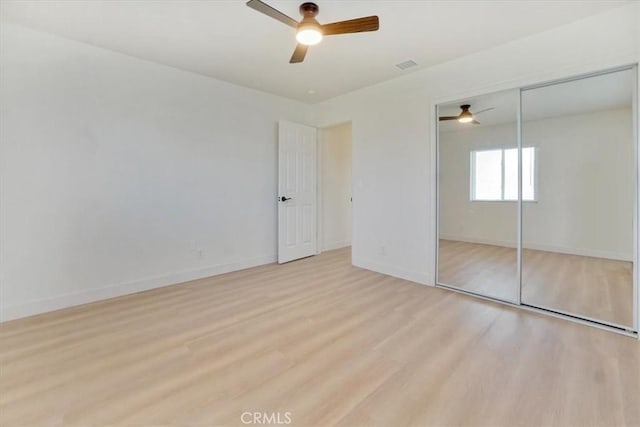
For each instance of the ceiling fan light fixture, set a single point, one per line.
(309, 34)
(465, 117)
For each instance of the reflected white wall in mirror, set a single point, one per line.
(478, 190)
(578, 237)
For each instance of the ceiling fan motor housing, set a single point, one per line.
(309, 10)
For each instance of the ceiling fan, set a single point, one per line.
(466, 116)
(308, 31)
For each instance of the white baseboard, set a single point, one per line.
(582, 252)
(466, 239)
(547, 248)
(389, 270)
(336, 245)
(98, 294)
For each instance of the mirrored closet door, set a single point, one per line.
(537, 197)
(579, 161)
(478, 183)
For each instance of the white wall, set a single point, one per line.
(118, 175)
(335, 167)
(585, 186)
(393, 141)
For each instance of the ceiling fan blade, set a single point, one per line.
(475, 122)
(482, 111)
(369, 23)
(442, 119)
(274, 13)
(299, 53)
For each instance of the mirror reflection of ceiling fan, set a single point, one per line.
(466, 116)
(309, 31)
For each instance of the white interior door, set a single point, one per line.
(297, 159)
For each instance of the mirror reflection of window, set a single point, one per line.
(494, 175)
(487, 175)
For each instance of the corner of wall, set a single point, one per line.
(422, 278)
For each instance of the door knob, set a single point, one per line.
(284, 199)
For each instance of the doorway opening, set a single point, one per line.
(335, 198)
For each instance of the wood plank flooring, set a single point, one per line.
(598, 288)
(329, 343)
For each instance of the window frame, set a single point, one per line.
(472, 175)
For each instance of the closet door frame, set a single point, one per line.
(636, 214)
(634, 325)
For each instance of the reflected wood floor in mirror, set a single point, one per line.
(328, 342)
(484, 269)
(598, 288)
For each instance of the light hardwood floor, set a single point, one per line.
(330, 343)
(598, 288)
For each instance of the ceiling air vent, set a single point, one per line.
(406, 64)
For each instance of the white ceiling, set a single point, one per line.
(597, 93)
(229, 41)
